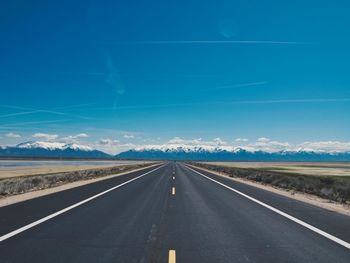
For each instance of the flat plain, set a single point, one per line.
(305, 168)
(15, 168)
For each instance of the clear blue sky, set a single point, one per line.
(191, 69)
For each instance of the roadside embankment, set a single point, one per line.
(22, 184)
(335, 188)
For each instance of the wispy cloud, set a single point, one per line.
(13, 135)
(10, 128)
(268, 145)
(45, 136)
(128, 136)
(108, 142)
(241, 140)
(40, 122)
(320, 100)
(114, 80)
(73, 138)
(32, 112)
(197, 142)
(234, 102)
(13, 107)
(111, 146)
(189, 42)
(32, 123)
(239, 85)
(55, 137)
(82, 105)
(28, 111)
(263, 139)
(19, 113)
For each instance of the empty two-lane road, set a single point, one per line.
(170, 213)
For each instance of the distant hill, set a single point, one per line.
(51, 149)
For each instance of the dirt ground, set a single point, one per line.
(48, 168)
(307, 168)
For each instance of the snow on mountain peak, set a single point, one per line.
(40, 144)
(174, 147)
(53, 146)
(75, 146)
(169, 147)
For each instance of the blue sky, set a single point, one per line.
(140, 72)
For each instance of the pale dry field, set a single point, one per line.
(307, 168)
(16, 168)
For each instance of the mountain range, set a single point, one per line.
(169, 152)
(219, 154)
(51, 149)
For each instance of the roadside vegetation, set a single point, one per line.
(23, 184)
(336, 188)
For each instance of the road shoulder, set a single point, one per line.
(303, 197)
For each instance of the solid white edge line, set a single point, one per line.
(296, 220)
(26, 227)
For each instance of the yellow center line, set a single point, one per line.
(172, 256)
(173, 191)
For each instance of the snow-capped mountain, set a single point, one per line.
(51, 149)
(228, 153)
(175, 151)
(53, 146)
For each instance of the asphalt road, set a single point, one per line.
(176, 209)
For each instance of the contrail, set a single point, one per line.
(186, 42)
(289, 101)
(239, 85)
(33, 111)
(14, 107)
(75, 106)
(19, 113)
(237, 102)
(33, 122)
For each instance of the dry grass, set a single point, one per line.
(336, 188)
(23, 184)
(14, 171)
(304, 168)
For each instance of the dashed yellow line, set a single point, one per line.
(173, 191)
(172, 256)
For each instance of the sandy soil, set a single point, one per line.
(34, 194)
(307, 168)
(6, 172)
(303, 197)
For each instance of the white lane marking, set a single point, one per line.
(296, 220)
(26, 227)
